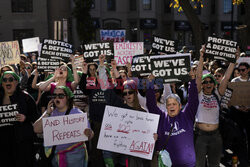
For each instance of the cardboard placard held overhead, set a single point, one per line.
(172, 68)
(92, 51)
(9, 53)
(30, 44)
(64, 129)
(113, 35)
(141, 65)
(241, 93)
(128, 132)
(8, 115)
(163, 45)
(124, 51)
(221, 49)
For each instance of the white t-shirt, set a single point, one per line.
(208, 109)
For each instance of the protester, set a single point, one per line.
(208, 141)
(177, 125)
(17, 139)
(75, 153)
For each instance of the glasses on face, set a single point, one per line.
(63, 68)
(206, 82)
(217, 76)
(10, 79)
(60, 95)
(242, 70)
(28, 68)
(128, 93)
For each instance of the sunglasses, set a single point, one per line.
(217, 76)
(60, 96)
(128, 93)
(206, 82)
(10, 79)
(28, 68)
(243, 70)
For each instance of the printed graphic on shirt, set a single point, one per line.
(99, 97)
(176, 129)
(209, 102)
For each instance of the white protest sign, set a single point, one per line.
(113, 35)
(128, 132)
(124, 51)
(9, 53)
(64, 129)
(243, 59)
(30, 44)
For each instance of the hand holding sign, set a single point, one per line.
(20, 117)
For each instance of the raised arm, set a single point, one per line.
(45, 86)
(226, 77)
(200, 68)
(76, 76)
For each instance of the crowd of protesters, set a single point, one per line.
(200, 140)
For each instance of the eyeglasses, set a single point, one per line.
(206, 82)
(128, 93)
(28, 68)
(217, 76)
(243, 70)
(60, 96)
(10, 79)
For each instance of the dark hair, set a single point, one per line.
(244, 64)
(89, 64)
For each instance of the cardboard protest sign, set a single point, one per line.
(141, 65)
(113, 35)
(172, 68)
(128, 132)
(9, 53)
(124, 51)
(163, 45)
(221, 49)
(8, 114)
(226, 98)
(64, 129)
(241, 93)
(243, 59)
(57, 50)
(79, 61)
(30, 44)
(92, 51)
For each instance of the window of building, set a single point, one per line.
(227, 6)
(111, 4)
(167, 9)
(93, 4)
(212, 6)
(132, 5)
(146, 4)
(22, 6)
(19, 34)
(181, 38)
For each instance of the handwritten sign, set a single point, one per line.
(9, 53)
(128, 132)
(79, 61)
(172, 68)
(113, 35)
(8, 114)
(124, 51)
(64, 129)
(222, 49)
(30, 44)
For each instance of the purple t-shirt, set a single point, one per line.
(57, 113)
(181, 142)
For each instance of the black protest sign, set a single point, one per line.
(141, 65)
(163, 45)
(8, 115)
(92, 51)
(221, 49)
(226, 98)
(44, 64)
(172, 68)
(57, 50)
